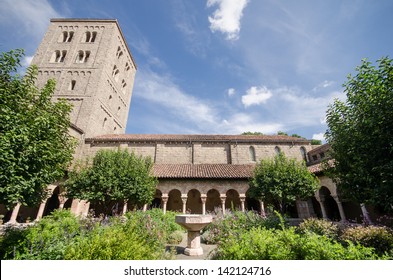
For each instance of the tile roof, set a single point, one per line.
(316, 168)
(204, 171)
(196, 137)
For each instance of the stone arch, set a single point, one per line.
(251, 150)
(68, 203)
(317, 207)
(213, 200)
(53, 202)
(252, 204)
(232, 200)
(194, 203)
(174, 201)
(156, 202)
(26, 213)
(330, 204)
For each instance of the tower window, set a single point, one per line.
(82, 57)
(66, 36)
(104, 122)
(72, 85)
(58, 56)
(277, 150)
(252, 153)
(303, 152)
(119, 52)
(89, 37)
(118, 110)
(127, 68)
(123, 84)
(115, 73)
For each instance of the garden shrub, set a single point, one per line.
(286, 244)
(45, 240)
(380, 238)
(224, 226)
(175, 237)
(119, 240)
(320, 227)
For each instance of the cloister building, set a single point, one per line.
(94, 70)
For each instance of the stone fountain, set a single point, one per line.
(193, 223)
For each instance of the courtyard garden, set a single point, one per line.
(142, 235)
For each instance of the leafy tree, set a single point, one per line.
(360, 132)
(113, 176)
(252, 133)
(280, 181)
(315, 142)
(35, 147)
(282, 133)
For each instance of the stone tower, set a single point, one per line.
(94, 70)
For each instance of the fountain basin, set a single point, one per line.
(193, 223)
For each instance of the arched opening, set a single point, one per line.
(317, 207)
(194, 203)
(156, 202)
(174, 201)
(212, 200)
(113, 208)
(53, 202)
(252, 204)
(252, 153)
(330, 204)
(277, 150)
(232, 201)
(303, 153)
(26, 214)
(68, 204)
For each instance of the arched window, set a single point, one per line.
(123, 85)
(72, 85)
(89, 37)
(119, 52)
(277, 150)
(58, 56)
(252, 153)
(66, 36)
(82, 57)
(304, 153)
(127, 67)
(115, 73)
(104, 122)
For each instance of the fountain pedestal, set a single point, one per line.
(193, 224)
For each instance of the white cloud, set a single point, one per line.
(256, 96)
(32, 16)
(163, 91)
(241, 122)
(324, 84)
(319, 136)
(226, 19)
(231, 91)
(27, 61)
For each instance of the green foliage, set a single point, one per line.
(320, 227)
(45, 240)
(35, 147)
(113, 176)
(252, 133)
(175, 237)
(282, 133)
(360, 131)
(286, 244)
(315, 142)
(139, 235)
(280, 181)
(380, 238)
(232, 223)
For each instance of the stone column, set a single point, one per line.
(144, 207)
(321, 200)
(242, 201)
(223, 198)
(184, 203)
(62, 200)
(262, 206)
(41, 210)
(164, 198)
(203, 199)
(14, 214)
(340, 208)
(124, 207)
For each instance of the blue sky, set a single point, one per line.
(226, 66)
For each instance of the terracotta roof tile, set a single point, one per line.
(204, 171)
(195, 137)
